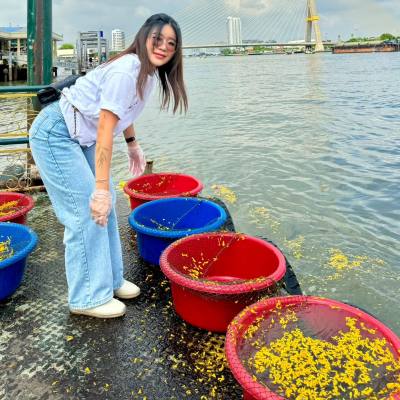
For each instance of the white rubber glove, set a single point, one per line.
(137, 160)
(100, 205)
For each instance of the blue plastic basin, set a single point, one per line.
(22, 240)
(158, 223)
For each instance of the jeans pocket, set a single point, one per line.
(38, 125)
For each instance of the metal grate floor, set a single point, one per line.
(150, 354)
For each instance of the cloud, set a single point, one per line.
(250, 7)
(13, 13)
(72, 16)
(361, 17)
(142, 12)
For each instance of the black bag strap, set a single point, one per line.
(53, 92)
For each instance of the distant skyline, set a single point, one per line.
(339, 17)
(117, 40)
(234, 30)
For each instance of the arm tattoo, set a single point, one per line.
(102, 155)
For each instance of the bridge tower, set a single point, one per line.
(313, 19)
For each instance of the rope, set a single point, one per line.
(169, 225)
(186, 213)
(216, 257)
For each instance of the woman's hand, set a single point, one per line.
(100, 206)
(137, 160)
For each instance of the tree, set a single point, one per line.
(259, 49)
(387, 36)
(67, 46)
(360, 39)
(226, 52)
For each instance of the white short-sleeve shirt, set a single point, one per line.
(111, 87)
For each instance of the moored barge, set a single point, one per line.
(366, 47)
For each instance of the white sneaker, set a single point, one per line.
(128, 290)
(112, 309)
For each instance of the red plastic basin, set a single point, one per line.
(159, 186)
(25, 204)
(215, 275)
(320, 315)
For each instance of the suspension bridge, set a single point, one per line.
(272, 23)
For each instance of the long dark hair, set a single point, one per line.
(171, 74)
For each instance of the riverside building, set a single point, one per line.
(117, 40)
(234, 28)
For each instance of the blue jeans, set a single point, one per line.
(93, 256)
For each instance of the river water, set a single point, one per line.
(305, 151)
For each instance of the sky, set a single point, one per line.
(206, 18)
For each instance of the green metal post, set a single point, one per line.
(31, 30)
(47, 42)
(40, 55)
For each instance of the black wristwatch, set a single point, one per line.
(130, 139)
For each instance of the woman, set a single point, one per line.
(71, 142)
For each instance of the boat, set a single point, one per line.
(367, 47)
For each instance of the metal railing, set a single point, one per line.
(18, 108)
(21, 89)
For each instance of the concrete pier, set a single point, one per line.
(47, 353)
